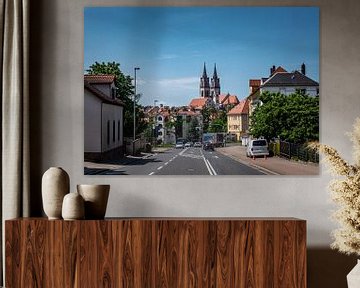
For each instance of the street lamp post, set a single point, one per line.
(135, 69)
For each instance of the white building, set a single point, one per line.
(103, 118)
(164, 134)
(281, 81)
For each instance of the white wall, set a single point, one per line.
(92, 118)
(111, 114)
(60, 122)
(311, 91)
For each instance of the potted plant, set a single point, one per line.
(345, 192)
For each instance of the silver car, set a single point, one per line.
(257, 147)
(179, 145)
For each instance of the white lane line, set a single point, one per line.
(217, 157)
(207, 166)
(160, 167)
(152, 173)
(166, 163)
(183, 151)
(211, 167)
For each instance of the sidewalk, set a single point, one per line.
(105, 165)
(271, 165)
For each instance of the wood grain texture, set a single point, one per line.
(156, 253)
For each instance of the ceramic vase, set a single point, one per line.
(96, 198)
(353, 278)
(55, 185)
(73, 207)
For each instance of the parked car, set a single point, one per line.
(208, 146)
(197, 144)
(187, 144)
(257, 147)
(179, 145)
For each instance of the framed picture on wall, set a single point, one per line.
(201, 90)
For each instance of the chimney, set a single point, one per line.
(272, 70)
(303, 69)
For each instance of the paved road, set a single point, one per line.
(188, 161)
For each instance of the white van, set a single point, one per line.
(257, 147)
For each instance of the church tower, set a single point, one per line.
(215, 87)
(204, 84)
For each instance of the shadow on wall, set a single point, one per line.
(328, 268)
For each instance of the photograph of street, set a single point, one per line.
(201, 90)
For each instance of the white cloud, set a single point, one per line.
(180, 83)
(167, 56)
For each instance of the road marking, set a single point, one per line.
(183, 151)
(166, 163)
(211, 167)
(217, 157)
(160, 167)
(207, 166)
(152, 173)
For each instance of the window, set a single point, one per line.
(160, 118)
(108, 132)
(160, 126)
(160, 133)
(118, 130)
(113, 93)
(114, 131)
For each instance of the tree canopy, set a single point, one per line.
(294, 117)
(125, 92)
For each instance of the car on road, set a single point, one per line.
(257, 147)
(197, 144)
(179, 145)
(188, 144)
(208, 146)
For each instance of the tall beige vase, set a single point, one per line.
(96, 198)
(55, 185)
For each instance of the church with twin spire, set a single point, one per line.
(210, 89)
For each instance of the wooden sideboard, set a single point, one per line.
(156, 252)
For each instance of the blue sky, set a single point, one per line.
(171, 44)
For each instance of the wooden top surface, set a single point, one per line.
(174, 219)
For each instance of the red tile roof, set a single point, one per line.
(228, 99)
(100, 79)
(102, 96)
(279, 69)
(198, 102)
(189, 113)
(241, 108)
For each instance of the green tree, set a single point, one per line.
(125, 92)
(193, 132)
(294, 117)
(208, 113)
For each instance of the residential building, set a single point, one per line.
(185, 119)
(281, 81)
(199, 104)
(103, 118)
(164, 133)
(238, 120)
(227, 100)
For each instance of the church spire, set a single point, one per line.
(215, 86)
(204, 71)
(215, 72)
(204, 84)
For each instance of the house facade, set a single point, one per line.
(238, 120)
(281, 81)
(103, 119)
(164, 133)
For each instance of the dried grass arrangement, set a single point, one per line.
(345, 192)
